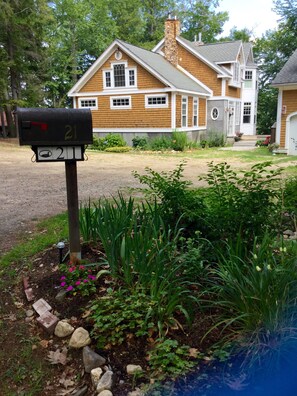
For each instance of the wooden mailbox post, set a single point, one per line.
(59, 135)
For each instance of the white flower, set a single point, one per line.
(269, 267)
(258, 268)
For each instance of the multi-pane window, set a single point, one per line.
(184, 113)
(88, 103)
(214, 113)
(119, 75)
(131, 78)
(195, 111)
(247, 109)
(120, 102)
(107, 79)
(156, 101)
(248, 77)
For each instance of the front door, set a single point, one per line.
(293, 135)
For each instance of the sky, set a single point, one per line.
(256, 15)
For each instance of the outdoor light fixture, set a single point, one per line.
(60, 246)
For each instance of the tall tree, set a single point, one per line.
(201, 17)
(22, 50)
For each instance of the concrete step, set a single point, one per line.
(245, 143)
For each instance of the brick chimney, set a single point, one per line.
(172, 29)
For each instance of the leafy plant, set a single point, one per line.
(120, 314)
(179, 140)
(178, 203)
(169, 359)
(160, 143)
(113, 140)
(118, 149)
(247, 204)
(140, 142)
(213, 139)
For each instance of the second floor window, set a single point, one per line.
(119, 76)
(248, 77)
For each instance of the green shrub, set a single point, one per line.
(113, 140)
(213, 139)
(179, 141)
(178, 203)
(140, 142)
(247, 204)
(97, 143)
(118, 149)
(160, 143)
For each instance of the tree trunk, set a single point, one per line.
(4, 133)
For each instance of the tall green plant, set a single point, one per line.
(179, 141)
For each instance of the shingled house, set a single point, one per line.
(179, 85)
(286, 125)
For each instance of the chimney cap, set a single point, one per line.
(170, 17)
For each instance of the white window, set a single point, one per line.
(247, 109)
(156, 101)
(120, 102)
(248, 79)
(236, 72)
(119, 76)
(184, 111)
(88, 103)
(195, 111)
(214, 113)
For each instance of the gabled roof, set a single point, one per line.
(288, 74)
(152, 62)
(248, 54)
(164, 68)
(222, 52)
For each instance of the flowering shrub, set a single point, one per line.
(78, 279)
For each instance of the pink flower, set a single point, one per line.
(90, 276)
(86, 280)
(77, 283)
(71, 269)
(63, 284)
(69, 288)
(81, 267)
(63, 278)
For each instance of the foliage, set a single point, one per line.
(178, 203)
(113, 140)
(77, 279)
(160, 143)
(213, 139)
(120, 314)
(169, 359)
(255, 297)
(179, 140)
(247, 205)
(139, 142)
(290, 199)
(119, 149)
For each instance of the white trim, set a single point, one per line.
(184, 100)
(285, 86)
(223, 89)
(288, 129)
(159, 45)
(74, 103)
(88, 107)
(279, 116)
(224, 98)
(195, 101)
(173, 110)
(211, 113)
(156, 106)
(127, 76)
(210, 91)
(121, 107)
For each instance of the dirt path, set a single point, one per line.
(31, 191)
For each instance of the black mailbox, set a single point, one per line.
(67, 127)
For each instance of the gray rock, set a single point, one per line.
(136, 392)
(288, 232)
(105, 393)
(29, 313)
(96, 375)
(105, 382)
(61, 295)
(133, 369)
(91, 359)
(79, 338)
(63, 329)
